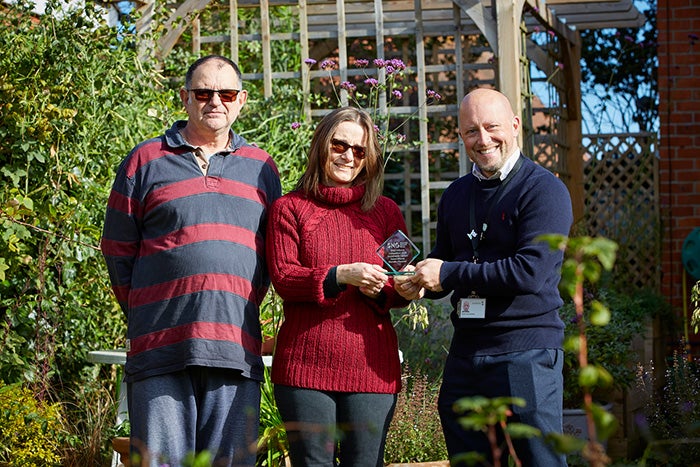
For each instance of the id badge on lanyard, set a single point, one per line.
(472, 307)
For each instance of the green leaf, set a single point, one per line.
(599, 315)
(3, 267)
(565, 444)
(606, 424)
(522, 431)
(588, 376)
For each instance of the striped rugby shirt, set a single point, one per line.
(186, 254)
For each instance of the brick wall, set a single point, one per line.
(679, 109)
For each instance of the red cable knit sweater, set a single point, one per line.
(335, 343)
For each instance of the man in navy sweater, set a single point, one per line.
(184, 242)
(504, 283)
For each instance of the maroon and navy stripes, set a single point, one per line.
(186, 253)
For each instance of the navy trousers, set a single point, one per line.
(534, 375)
(194, 410)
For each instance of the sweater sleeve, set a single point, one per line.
(120, 241)
(292, 280)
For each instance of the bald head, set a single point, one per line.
(486, 97)
(489, 129)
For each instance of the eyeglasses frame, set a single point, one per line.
(211, 92)
(358, 152)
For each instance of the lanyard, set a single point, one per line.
(473, 235)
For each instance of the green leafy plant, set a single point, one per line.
(272, 440)
(424, 338)
(609, 346)
(584, 260)
(70, 113)
(32, 432)
(695, 301)
(671, 422)
(490, 415)
(415, 433)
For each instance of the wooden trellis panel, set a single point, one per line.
(445, 51)
(621, 203)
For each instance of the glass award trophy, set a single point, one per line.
(397, 252)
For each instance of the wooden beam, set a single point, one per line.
(342, 50)
(266, 48)
(305, 69)
(460, 78)
(177, 23)
(423, 131)
(540, 10)
(233, 28)
(486, 24)
(379, 39)
(571, 57)
(508, 17)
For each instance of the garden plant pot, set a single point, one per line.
(268, 345)
(574, 423)
(120, 444)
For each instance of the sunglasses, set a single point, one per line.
(341, 147)
(205, 95)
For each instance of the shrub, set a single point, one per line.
(671, 421)
(415, 433)
(609, 346)
(31, 432)
(424, 347)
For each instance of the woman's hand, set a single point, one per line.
(370, 278)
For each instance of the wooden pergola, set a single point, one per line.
(515, 38)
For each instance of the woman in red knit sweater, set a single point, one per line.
(336, 366)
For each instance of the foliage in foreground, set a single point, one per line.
(31, 431)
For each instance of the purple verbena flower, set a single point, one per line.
(551, 33)
(379, 63)
(390, 69)
(348, 86)
(327, 64)
(433, 94)
(401, 137)
(295, 125)
(361, 62)
(371, 82)
(310, 61)
(397, 94)
(398, 64)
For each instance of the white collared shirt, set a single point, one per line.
(501, 174)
